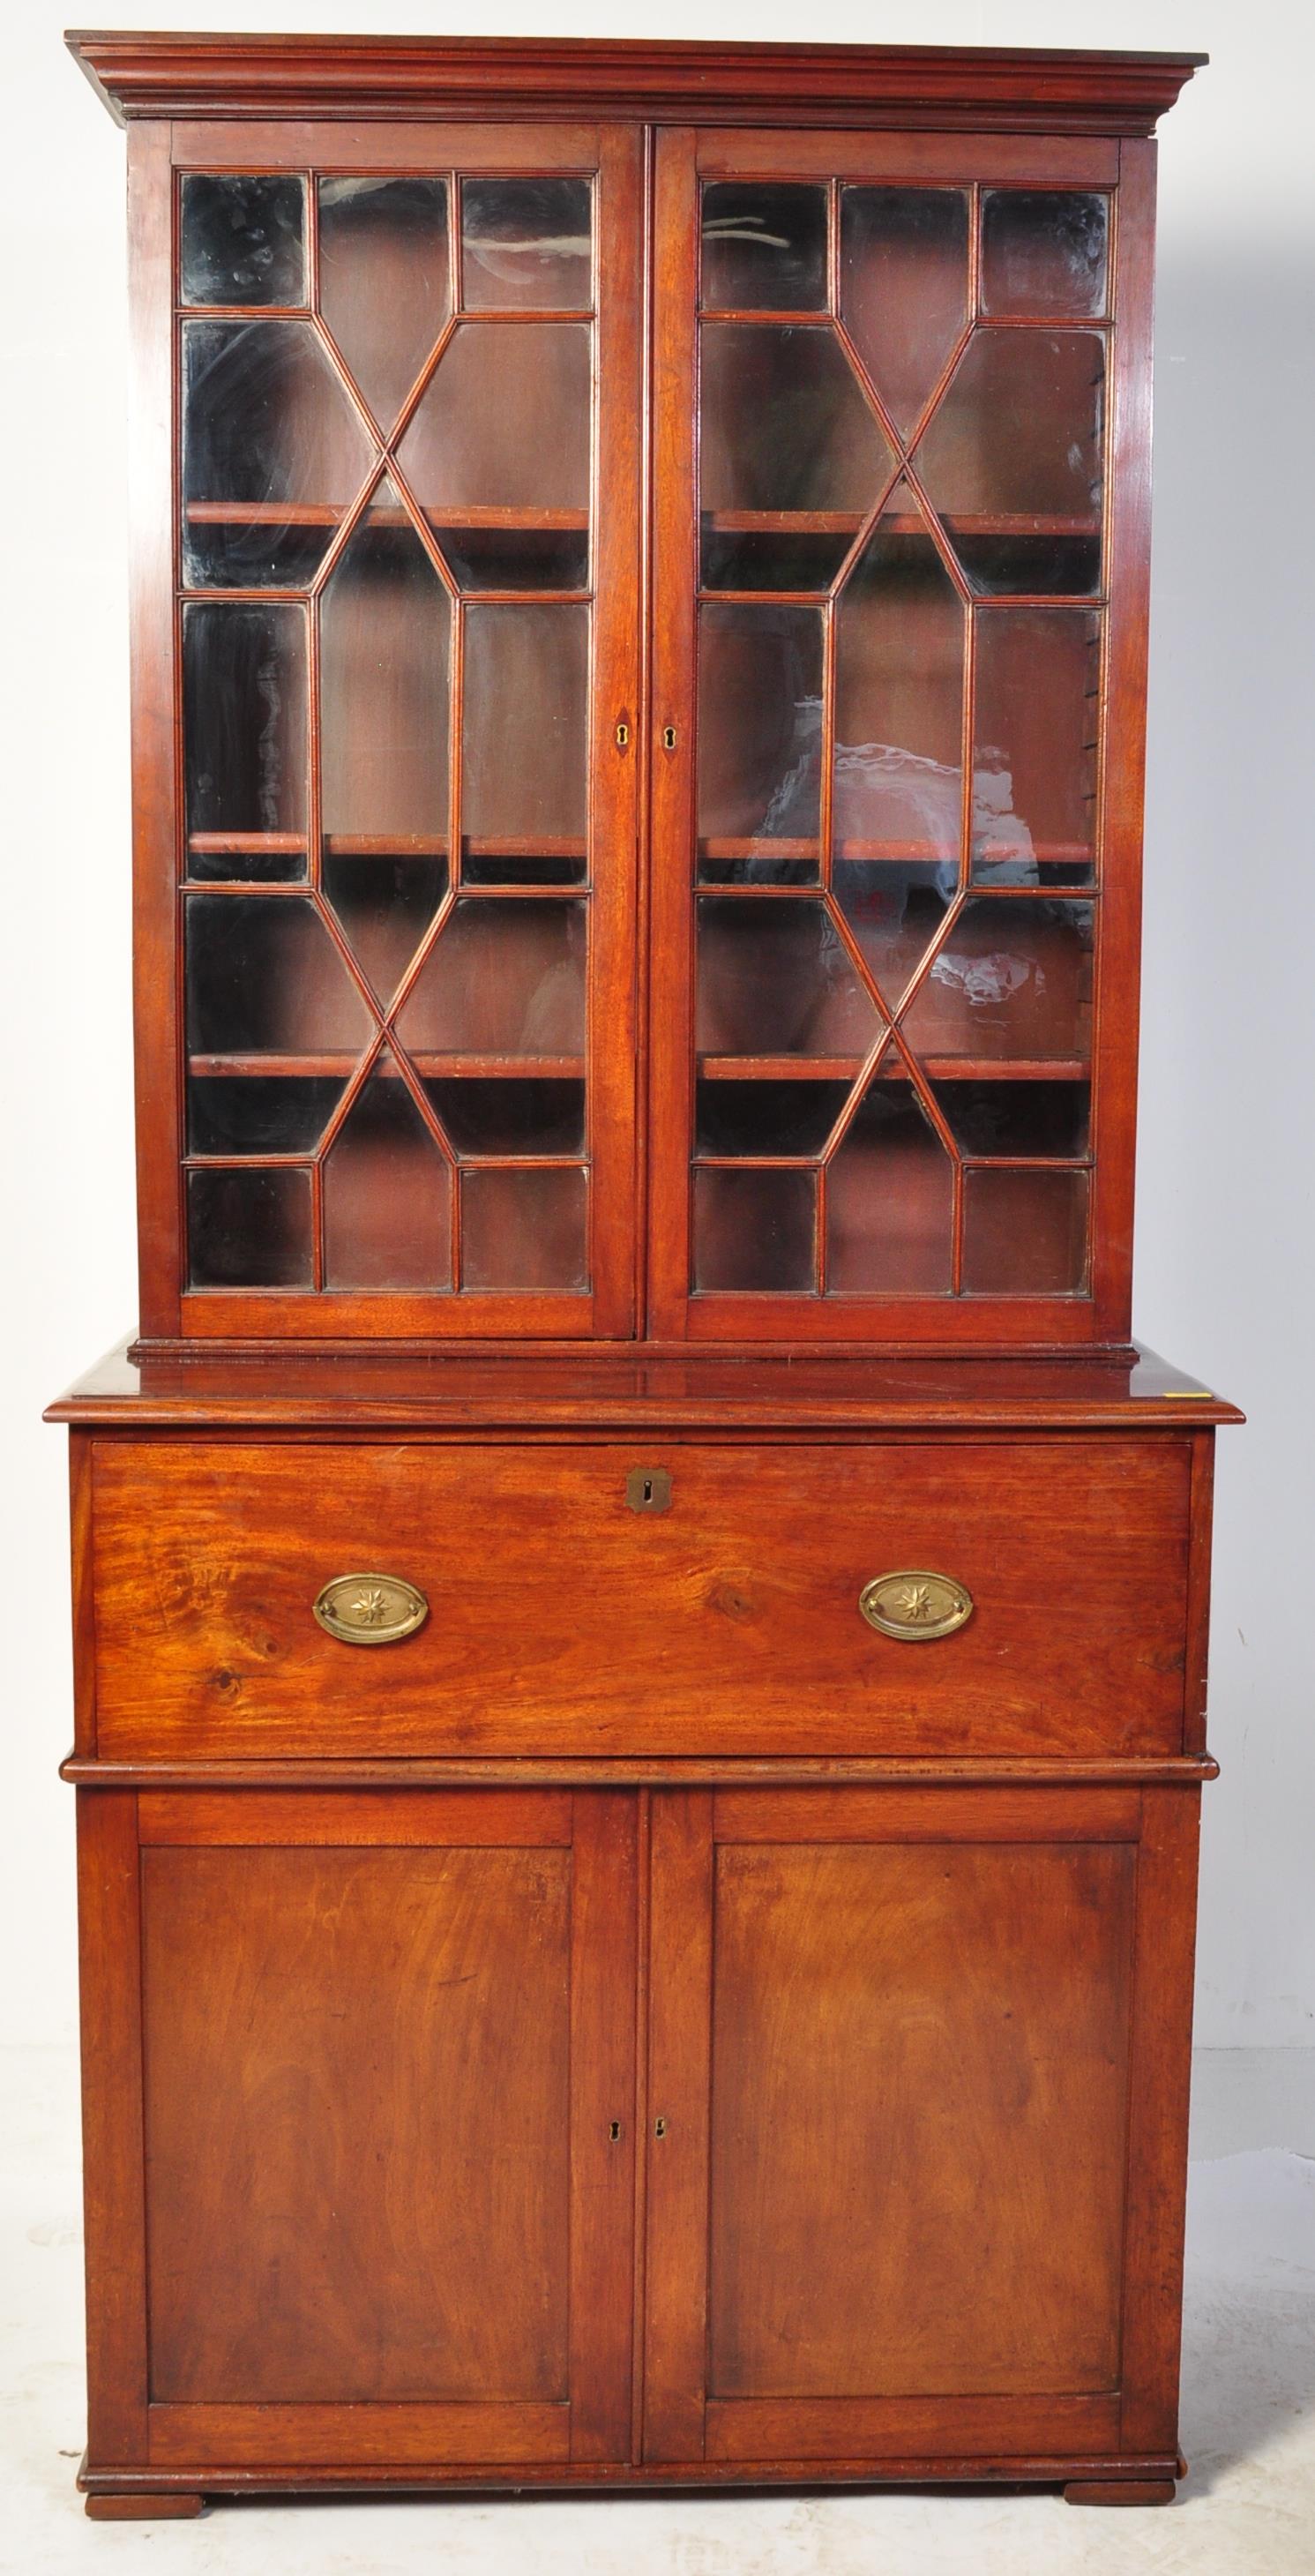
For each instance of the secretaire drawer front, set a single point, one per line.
(888, 1597)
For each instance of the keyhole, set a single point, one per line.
(659, 2128)
(614, 2130)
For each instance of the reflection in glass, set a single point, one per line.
(764, 246)
(249, 1229)
(527, 242)
(387, 1194)
(524, 1230)
(241, 239)
(784, 425)
(263, 976)
(385, 623)
(899, 704)
(1017, 1120)
(249, 1115)
(890, 1201)
(244, 732)
(774, 978)
(1037, 710)
(1012, 459)
(526, 677)
(511, 1117)
(551, 558)
(1014, 979)
(904, 287)
(502, 979)
(895, 913)
(754, 1230)
(385, 906)
(504, 420)
(1024, 1233)
(384, 280)
(771, 1118)
(760, 729)
(272, 453)
(1044, 251)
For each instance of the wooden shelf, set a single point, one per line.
(258, 1066)
(846, 1068)
(326, 514)
(380, 845)
(985, 853)
(898, 523)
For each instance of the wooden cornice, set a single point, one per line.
(990, 88)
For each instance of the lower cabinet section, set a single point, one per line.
(892, 2079)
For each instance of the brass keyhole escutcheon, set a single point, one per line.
(622, 734)
(668, 737)
(648, 1489)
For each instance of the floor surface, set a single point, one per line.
(1247, 2509)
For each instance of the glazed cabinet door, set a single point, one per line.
(916, 2151)
(399, 861)
(373, 2053)
(899, 586)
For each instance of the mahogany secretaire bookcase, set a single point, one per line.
(640, 1621)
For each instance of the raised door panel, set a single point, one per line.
(895, 831)
(387, 2078)
(399, 861)
(895, 2065)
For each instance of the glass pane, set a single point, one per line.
(896, 913)
(524, 775)
(385, 624)
(1037, 716)
(241, 240)
(510, 1117)
(494, 866)
(263, 976)
(1017, 1119)
(890, 1201)
(505, 420)
(249, 1229)
(759, 743)
(774, 978)
(768, 1118)
(1013, 980)
(899, 701)
(384, 288)
(784, 424)
(1024, 1233)
(1044, 251)
(764, 246)
(1012, 459)
(904, 287)
(244, 731)
(502, 979)
(251, 1115)
(524, 1230)
(754, 1230)
(385, 906)
(527, 242)
(272, 453)
(387, 1194)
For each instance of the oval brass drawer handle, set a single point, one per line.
(915, 1605)
(370, 1609)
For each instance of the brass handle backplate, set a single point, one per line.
(915, 1605)
(370, 1609)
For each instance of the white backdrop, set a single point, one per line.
(1225, 1241)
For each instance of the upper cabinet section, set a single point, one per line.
(639, 646)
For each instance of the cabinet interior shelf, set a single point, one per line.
(380, 845)
(898, 523)
(896, 853)
(328, 514)
(938, 1068)
(259, 1066)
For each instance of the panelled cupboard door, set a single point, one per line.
(915, 2181)
(400, 598)
(384, 2091)
(899, 583)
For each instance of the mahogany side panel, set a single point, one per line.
(1161, 2053)
(112, 2143)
